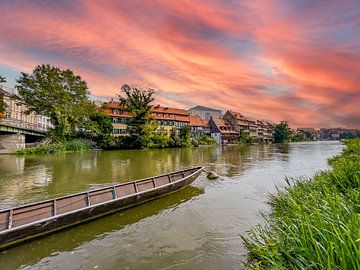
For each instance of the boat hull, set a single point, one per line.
(17, 235)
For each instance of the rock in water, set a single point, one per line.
(212, 175)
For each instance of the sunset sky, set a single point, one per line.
(277, 60)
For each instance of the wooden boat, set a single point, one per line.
(25, 222)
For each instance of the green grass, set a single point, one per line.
(57, 148)
(314, 223)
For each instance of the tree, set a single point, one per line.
(282, 132)
(56, 93)
(138, 103)
(97, 126)
(2, 103)
(185, 136)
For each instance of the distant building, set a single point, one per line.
(223, 132)
(199, 127)
(312, 131)
(15, 114)
(257, 129)
(205, 112)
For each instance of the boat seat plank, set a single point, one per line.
(68, 204)
(176, 176)
(124, 190)
(145, 185)
(28, 214)
(4, 220)
(162, 180)
(101, 196)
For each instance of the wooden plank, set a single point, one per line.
(10, 218)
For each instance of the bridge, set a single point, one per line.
(15, 134)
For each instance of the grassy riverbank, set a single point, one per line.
(315, 223)
(77, 145)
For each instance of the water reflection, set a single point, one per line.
(33, 178)
(70, 239)
(193, 229)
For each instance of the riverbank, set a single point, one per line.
(77, 145)
(314, 222)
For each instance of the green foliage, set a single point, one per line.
(97, 127)
(245, 138)
(57, 148)
(2, 104)
(282, 132)
(350, 134)
(185, 136)
(301, 136)
(56, 93)
(202, 140)
(314, 223)
(138, 103)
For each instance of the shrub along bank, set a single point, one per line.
(76, 145)
(315, 223)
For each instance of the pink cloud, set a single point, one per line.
(268, 59)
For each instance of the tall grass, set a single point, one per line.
(315, 223)
(57, 148)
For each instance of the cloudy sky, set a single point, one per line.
(272, 59)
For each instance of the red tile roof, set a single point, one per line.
(196, 121)
(224, 126)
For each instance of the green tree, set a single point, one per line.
(282, 132)
(245, 138)
(138, 103)
(97, 126)
(185, 136)
(56, 93)
(2, 103)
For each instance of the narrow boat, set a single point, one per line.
(25, 222)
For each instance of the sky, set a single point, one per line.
(297, 61)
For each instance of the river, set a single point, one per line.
(198, 227)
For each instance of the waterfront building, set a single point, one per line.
(223, 132)
(169, 118)
(199, 127)
(205, 112)
(120, 118)
(265, 130)
(241, 123)
(166, 117)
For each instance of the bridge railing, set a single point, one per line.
(20, 124)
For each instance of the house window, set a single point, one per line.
(114, 120)
(119, 120)
(127, 121)
(116, 131)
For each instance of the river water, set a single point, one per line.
(198, 227)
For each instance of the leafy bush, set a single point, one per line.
(57, 148)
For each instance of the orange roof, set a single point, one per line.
(196, 121)
(160, 109)
(225, 126)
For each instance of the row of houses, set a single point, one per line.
(225, 129)
(15, 113)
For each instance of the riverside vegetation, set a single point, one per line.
(315, 223)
